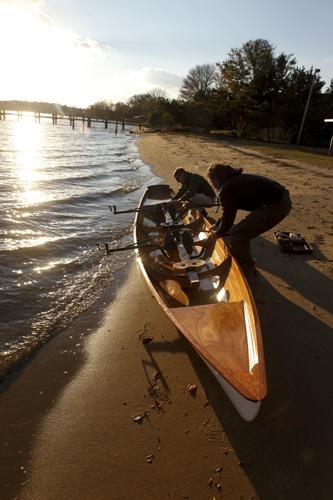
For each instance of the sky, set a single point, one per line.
(78, 52)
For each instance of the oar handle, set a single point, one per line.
(113, 210)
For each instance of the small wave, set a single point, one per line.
(78, 178)
(75, 200)
(124, 169)
(37, 247)
(60, 246)
(81, 288)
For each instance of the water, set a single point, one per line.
(56, 185)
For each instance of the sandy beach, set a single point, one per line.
(68, 417)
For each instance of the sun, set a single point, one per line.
(41, 59)
(43, 62)
(26, 37)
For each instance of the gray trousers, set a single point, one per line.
(202, 199)
(257, 222)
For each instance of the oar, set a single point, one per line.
(149, 208)
(113, 210)
(132, 246)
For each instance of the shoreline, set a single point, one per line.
(30, 390)
(84, 443)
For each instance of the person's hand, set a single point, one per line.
(213, 233)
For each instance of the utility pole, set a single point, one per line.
(330, 149)
(307, 106)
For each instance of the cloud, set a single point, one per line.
(162, 78)
(26, 4)
(32, 8)
(88, 43)
(35, 9)
(23, 2)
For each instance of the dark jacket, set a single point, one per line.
(245, 192)
(194, 183)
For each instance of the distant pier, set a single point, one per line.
(71, 119)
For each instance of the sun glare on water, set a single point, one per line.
(27, 137)
(29, 179)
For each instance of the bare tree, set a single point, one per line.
(199, 82)
(158, 93)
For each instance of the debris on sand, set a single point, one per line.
(139, 418)
(146, 336)
(192, 389)
(211, 483)
(150, 458)
(157, 405)
(145, 339)
(244, 464)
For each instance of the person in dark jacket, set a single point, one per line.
(194, 188)
(267, 201)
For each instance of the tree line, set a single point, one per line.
(255, 93)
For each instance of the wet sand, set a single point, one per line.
(67, 428)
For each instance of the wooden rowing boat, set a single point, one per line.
(200, 286)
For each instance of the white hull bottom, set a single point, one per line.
(247, 409)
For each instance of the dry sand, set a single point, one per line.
(66, 419)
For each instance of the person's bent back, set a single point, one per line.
(194, 188)
(267, 201)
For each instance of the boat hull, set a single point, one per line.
(209, 300)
